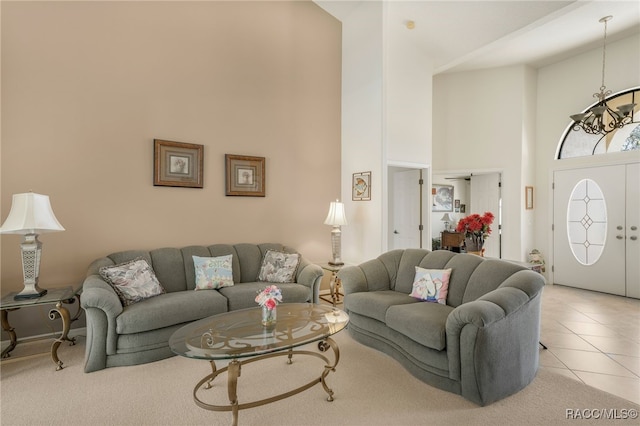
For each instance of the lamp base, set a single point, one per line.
(30, 291)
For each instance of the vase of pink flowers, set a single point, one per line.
(269, 299)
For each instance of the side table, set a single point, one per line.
(334, 285)
(57, 296)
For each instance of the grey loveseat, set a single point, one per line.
(481, 344)
(127, 335)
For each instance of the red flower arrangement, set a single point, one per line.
(476, 227)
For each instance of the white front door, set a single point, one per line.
(633, 231)
(485, 197)
(590, 229)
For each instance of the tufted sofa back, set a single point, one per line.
(174, 266)
(471, 276)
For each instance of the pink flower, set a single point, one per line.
(269, 297)
(270, 304)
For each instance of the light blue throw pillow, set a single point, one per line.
(213, 272)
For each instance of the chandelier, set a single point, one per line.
(601, 119)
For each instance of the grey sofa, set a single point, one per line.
(139, 333)
(481, 344)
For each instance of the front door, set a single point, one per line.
(590, 229)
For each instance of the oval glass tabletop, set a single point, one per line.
(240, 333)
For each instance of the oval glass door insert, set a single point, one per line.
(587, 222)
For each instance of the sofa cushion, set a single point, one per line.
(170, 309)
(133, 281)
(424, 323)
(431, 285)
(242, 296)
(374, 304)
(279, 267)
(213, 272)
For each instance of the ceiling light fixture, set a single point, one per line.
(601, 119)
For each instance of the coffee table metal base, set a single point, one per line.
(233, 372)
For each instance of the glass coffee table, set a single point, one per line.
(240, 338)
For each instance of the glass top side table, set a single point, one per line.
(57, 297)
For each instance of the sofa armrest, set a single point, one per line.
(310, 275)
(101, 305)
(96, 293)
(492, 342)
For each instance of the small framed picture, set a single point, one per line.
(361, 187)
(463, 208)
(177, 164)
(245, 175)
(457, 204)
(528, 197)
(442, 198)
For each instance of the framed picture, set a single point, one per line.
(361, 187)
(528, 197)
(457, 204)
(463, 208)
(442, 198)
(245, 175)
(177, 164)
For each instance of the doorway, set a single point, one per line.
(595, 229)
(476, 192)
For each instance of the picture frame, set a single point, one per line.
(177, 164)
(442, 198)
(528, 197)
(245, 175)
(361, 186)
(463, 208)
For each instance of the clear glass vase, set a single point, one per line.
(269, 316)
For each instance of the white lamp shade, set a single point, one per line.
(30, 214)
(446, 218)
(336, 216)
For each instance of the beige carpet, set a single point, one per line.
(370, 389)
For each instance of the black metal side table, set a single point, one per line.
(57, 297)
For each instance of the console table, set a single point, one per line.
(452, 240)
(57, 297)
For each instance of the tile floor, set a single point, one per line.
(592, 337)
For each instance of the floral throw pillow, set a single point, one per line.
(133, 281)
(213, 272)
(431, 285)
(279, 267)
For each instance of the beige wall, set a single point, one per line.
(87, 86)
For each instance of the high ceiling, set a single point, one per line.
(465, 35)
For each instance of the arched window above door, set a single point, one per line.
(577, 143)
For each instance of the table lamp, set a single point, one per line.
(336, 218)
(446, 218)
(30, 215)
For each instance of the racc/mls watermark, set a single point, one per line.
(601, 413)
